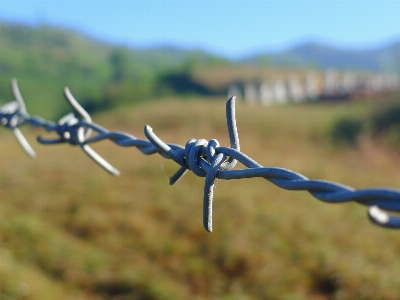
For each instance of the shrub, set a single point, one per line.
(345, 131)
(385, 123)
(383, 120)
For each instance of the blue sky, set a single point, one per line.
(229, 28)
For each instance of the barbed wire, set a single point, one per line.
(204, 158)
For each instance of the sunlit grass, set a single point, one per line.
(70, 230)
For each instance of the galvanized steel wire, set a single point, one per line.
(204, 158)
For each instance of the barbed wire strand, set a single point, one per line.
(204, 158)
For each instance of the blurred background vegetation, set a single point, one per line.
(45, 59)
(68, 230)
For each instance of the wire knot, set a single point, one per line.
(11, 115)
(14, 114)
(202, 158)
(77, 131)
(68, 129)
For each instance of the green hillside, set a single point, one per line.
(46, 59)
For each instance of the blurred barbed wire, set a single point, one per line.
(204, 158)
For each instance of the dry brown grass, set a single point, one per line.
(68, 230)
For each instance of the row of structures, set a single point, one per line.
(311, 86)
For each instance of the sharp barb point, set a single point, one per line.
(24, 143)
(79, 109)
(17, 95)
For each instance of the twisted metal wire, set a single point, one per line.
(204, 158)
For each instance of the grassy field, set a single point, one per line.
(68, 230)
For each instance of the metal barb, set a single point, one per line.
(79, 109)
(24, 143)
(76, 131)
(164, 149)
(204, 158)
(18, 97)
(83, 132)
(93, 154)
(383, 219)
(209, 190)
(17, 114)
(232, 131)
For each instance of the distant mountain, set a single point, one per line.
(314, 54)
